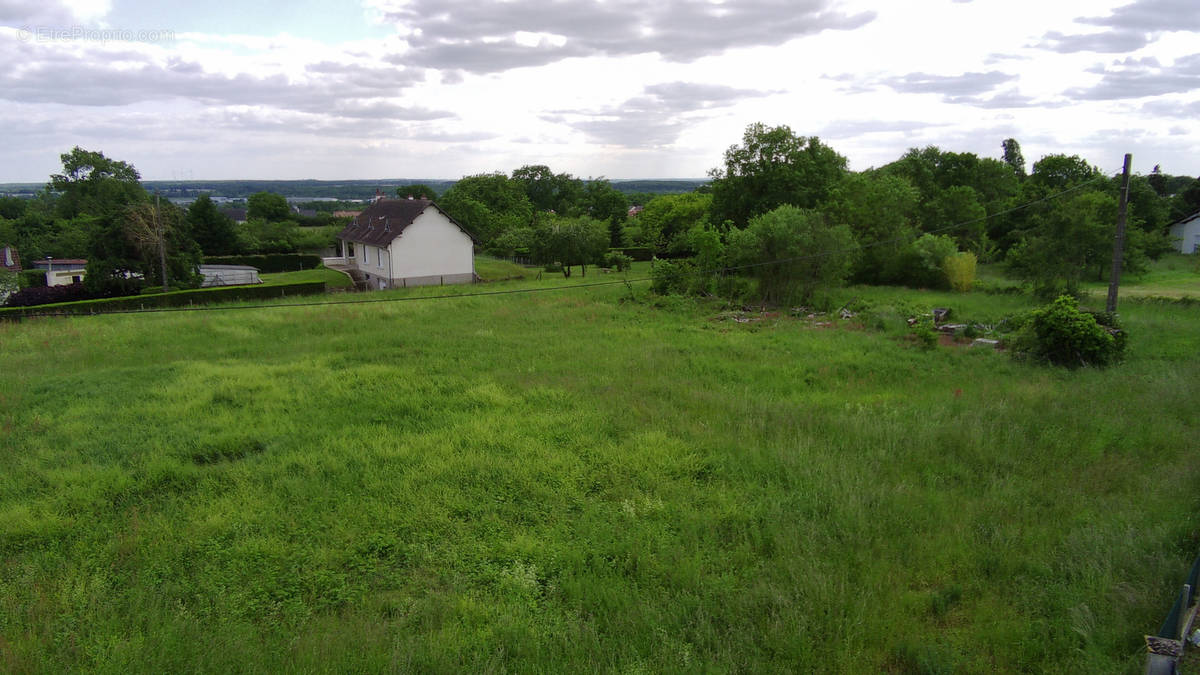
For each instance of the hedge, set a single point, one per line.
(639, 253)
(270, 263)
(198, 296)
(32, 279)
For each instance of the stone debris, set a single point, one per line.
(985, 342)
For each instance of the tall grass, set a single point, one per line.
(583, 480)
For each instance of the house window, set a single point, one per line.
(379, 257)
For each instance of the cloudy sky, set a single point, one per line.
(443, 88)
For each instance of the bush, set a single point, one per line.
(1061, 334)
(41, 295)
(32, 278)
(960, 271)
(617, 261)
(639, 253)
(200, 296)
(793, 253)
(671, 276)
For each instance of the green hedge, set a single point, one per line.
(32, 279)
(199, 296)
(271, 263)
(640, 253)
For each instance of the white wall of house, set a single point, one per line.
(62, 277)
(1186, 234)
(433, 250)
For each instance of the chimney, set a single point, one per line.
(410, 198)
(378, 195)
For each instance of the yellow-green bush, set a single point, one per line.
(960, 271)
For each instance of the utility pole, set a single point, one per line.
(162, 243)
(1114, 279)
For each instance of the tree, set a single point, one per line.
(267, 206)
(160, 235)
(570, 241)
(1013, 157)
(213, 231)
(1186, 202)
(879, 209)
(1070, 238)
(548, 191)
(488, 205)
(95, 185)
(1158, 181)
(604, 202)
(1060, 172)
(794, 253)
(668, 217)
(773, 166)
(417, 191)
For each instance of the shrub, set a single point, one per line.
(41, 295)
(960, 271)
(32, 278)
(617, 261)
(1061, 334)
(793, 253)
(671, 276)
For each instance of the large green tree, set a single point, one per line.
(773, 166)
(488, 204)
(879, 208)
(570, 241)
(213, 231)
(267, 206)
(793, 253)
(93, 184)
(548, 191)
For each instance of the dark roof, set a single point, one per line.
(8, 255)
(385, 219)
(69, 262)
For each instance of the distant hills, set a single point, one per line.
(335, 189)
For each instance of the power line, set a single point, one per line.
(626, 280)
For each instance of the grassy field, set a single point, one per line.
(586, 479)
(333, 279)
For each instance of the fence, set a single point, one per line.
(1167, 645)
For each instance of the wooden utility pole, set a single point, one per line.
(162, 243)
(1114, 279)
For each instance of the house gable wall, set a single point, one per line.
(433, 246)
(1187, 234)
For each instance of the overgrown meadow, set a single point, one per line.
(590, 479)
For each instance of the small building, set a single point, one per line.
(62, 271)
(1187, 233)
(229, 275)
(407, 242)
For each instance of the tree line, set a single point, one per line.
(903, 223)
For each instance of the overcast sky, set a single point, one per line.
(615, 88)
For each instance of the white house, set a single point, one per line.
(62, 271)
(408, 242)
(1187, 233)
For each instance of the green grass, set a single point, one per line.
(332, 278)
(1173, 276)
(490, 269)
(586, 479)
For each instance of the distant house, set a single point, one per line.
(236, 215)
(61, 271)
(408, 242)
(1187, 233)
(229, 275)
(9, 260)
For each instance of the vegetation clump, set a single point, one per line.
(1061, 334)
